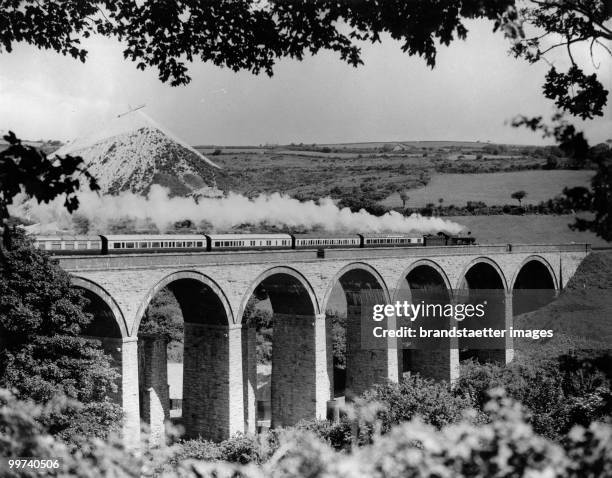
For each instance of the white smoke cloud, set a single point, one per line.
(225, 213)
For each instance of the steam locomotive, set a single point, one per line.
(145, 243)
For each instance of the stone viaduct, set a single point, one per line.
(219, 377)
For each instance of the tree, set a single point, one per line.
(168, 34)
(563, 25)
(43, 352)
(163, 317)
(404, 197)
(26, 169)
(518, 195)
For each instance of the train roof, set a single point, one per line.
(65, 238)
(155, 237)
(236, 237)
(390, 234)
(326, 235)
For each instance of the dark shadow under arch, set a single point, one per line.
(534, 286)
(484, 283)
(426, 285)
(192, 302)
(289, 393)
(364, 364)
(108, 320)
(104, 322)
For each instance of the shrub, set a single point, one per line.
(22, 435)
(557, 394)
(589, 451)
(504, 447)
(433, 401)
(240, 448)
(336, 434)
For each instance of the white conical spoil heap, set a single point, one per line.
(131, 152)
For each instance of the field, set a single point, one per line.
(375, 172)
(534, 229)
(493, 188)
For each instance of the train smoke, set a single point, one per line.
(221, 214)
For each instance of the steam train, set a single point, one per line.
(141, 243)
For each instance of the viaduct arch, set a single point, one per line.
(213, 290)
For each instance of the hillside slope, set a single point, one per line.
(132, 152)
(581, 317)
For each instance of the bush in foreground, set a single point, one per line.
(557, 394)
(42, 349)
(415, 396)
(506, 446)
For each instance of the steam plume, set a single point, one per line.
(223, 214)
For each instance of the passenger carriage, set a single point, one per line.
(137, 243)
(228, 242)
(390, 240)
(325, 241)
(69, 245)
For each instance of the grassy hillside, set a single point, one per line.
(581, 317)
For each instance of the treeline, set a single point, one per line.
(571, 200)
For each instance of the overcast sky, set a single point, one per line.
(472, 93)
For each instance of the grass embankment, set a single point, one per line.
(581, 317)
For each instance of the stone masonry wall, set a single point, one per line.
(296, 392)
(212, 381)
(153, 380)
(216, 400)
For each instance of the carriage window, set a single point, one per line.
(129, 245)
(143, 245)
(179, 244)
(155, 244)
(199, 244)
(56, 245)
